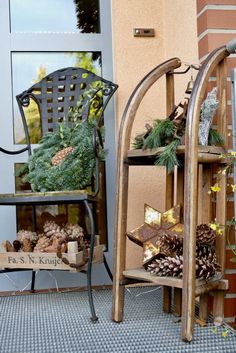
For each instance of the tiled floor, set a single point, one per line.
(59, 323)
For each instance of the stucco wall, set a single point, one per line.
(180, 37)
(175, 26)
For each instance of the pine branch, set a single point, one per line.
(215, 138)
(162, 132)
(168, 157)
(138, 142)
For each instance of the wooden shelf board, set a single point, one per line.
(213, 151)
(141, 274)
(48, 193)
(38, 198)
(201, 285)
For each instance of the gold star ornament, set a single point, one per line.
(160, 234)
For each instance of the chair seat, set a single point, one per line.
(49, 197)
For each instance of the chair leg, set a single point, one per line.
(32, 281)
(107, 268)
(90, 260)
(34, 217)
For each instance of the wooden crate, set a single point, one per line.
(46, 261)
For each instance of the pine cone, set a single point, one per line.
(43, 242)
(205, 235)
(206, 252)
(60, 155)
(169, 244)
(54, 245)
(74, 231)
(50, 228)
(58, 242)
(17, 245)
(167, 266)
(173, 266)
(61, 235)
(206, 269)
(27, 245)
(8, 246)
(27, 234)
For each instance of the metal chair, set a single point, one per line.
(56, 95)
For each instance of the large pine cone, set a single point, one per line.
(27, 245)
(61, 235)
(173, 266)
(167, 266)
(42, 244)
(206, 252)
(26, 234)
(57, 243)
(75, 233)
(60, 155)
(205, 235)
(169, 244)
(205, 268)
(50, 228)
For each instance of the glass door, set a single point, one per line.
(38, 37)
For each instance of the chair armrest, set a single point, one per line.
(13, 152)
(97, 141)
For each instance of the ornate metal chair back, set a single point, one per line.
(58, 94)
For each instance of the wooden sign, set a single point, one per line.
(46, 261)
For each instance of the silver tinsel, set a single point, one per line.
(208, 109)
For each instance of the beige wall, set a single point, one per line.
(180, 33)
(175, 26)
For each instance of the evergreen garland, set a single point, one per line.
(75, 171)
(161, 134)
(138, 141)
(168, 157)
(169, 133)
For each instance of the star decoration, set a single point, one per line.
(160, 232)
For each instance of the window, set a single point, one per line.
(55, 16)
(38, 66)
(38, 37)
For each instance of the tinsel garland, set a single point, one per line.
(208, 109)
(75, 171)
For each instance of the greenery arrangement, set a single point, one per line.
(169, 133)
(74, 166)
(163, 134)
